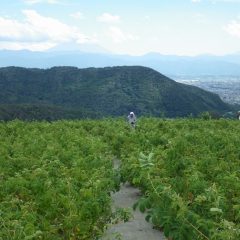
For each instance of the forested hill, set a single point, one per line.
(110, 91)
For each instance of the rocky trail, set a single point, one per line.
(136, 228)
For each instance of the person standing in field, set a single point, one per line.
(132, 119)
(238, 115)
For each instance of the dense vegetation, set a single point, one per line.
(189, 173)
(111, 91)
(56, 177)
(55, 181)
(43, 112)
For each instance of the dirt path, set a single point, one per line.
(136, 228)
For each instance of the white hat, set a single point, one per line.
(131, 113)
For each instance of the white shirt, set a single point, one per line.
(132, 118)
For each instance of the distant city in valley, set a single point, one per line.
(227, 87)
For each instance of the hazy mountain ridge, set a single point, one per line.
(167, 64)
(110, 91)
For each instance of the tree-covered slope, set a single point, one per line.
(43, 112)
(109, 91)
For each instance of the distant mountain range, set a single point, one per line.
(69, 92)
(95, 56)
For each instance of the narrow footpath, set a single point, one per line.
(137, 228)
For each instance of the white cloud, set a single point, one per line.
(37, 31)
(196, 1)
(108, 18)
(12, 30)
(41, 46)
(77, 15)
(233, 28)
(118, 36)
(52, 28)
(31, 2)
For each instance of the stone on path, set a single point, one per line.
(137, 228)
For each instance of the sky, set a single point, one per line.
(134, 27)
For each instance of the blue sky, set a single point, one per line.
(179, 27)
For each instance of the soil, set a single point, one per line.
(137, 228)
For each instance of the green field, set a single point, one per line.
(56, 178)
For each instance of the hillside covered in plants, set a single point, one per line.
(72, 93)
(56, 178)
